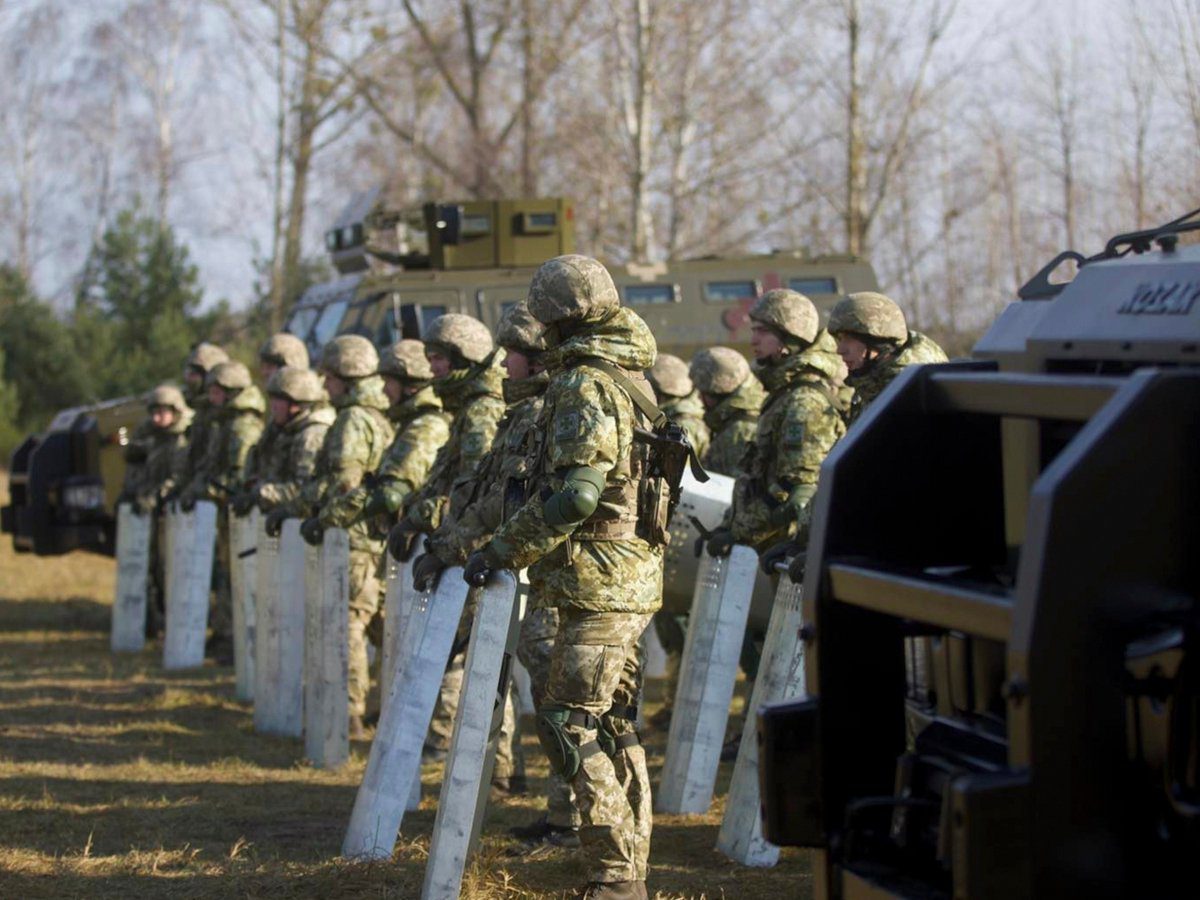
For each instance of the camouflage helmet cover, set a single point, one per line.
(719, 371)
(519, 330)
(230, 375)
(204, 356)
(669, 375)
(869, 314)
(350, 356)
(572, 288)
(284, 349)
(169, 396)
(296, 384)
(406, 360)
(789, 312)
(465, 335)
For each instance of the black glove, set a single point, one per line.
(427, 571)
(777, 553)
(720, 543)
(797, 566)
(477, 571)
(187, 501)
(274, 523)
(401, 540)
(312, 531)
(242, 503)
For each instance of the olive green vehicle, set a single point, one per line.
(399, 269)
(1002, 608)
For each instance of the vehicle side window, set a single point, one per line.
(414, 321)
(327, 323)
(300, 322)
(646, 294)
(810, 286)
(730, 291)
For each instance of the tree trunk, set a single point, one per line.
(278, 299)
(856, 170)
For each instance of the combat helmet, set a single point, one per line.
(519, 330)
(296, 384)
(406, 360)
(284, 349)
(229, 375)
(463, 336)
(204, 356)
(789, 312)
(719, 371)
(870, 315)
(169, 396)
(669, 375)
(350, 356)
(572, 288)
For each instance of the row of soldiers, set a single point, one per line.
(431, 449)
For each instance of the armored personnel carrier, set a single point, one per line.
(1003, 655)
(398, 270)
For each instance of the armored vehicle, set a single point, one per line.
(1003, 655)
(398, 270)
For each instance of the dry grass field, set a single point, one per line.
(120, 780)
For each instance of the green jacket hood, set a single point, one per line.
(516, 391)
(819, 359)
(247, 400)
(424, 400)
(916, 350)
(745, 402)
(318, 414)
(461, 385)
(683, 407)
(364, 392)
(623, 339)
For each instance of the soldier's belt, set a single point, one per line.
(605, 530)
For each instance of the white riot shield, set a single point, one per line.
(243, 568)
(279, 670)
(780, 677)
(706, 678)
(708, 503)
(472, 754)
(326, 656)
(133, 569)
(395, 626)
(191, 580)
(395, 760)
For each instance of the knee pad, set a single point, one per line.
(556, 742)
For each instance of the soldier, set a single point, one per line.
(237, 409)
(164, 463)
(279, 350)
(301, 417)
(353, 446)
(203, 431)
(586, 535)
(797, 428)
(732, 399)
(678, 399)
(874, 341)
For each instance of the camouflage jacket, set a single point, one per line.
(478, 505)
(421, 429)
(166, 461)
(262, 455)
(688, 413)
(240, 423)
(142, 441)
(476, 403)
(588, 420)
(868, 385)
(353, 446)
(797, 428)
(733, 423)
(291, 459)
(202, 440)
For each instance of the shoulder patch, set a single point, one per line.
(793, 434)
(568, 426)
(473, 443)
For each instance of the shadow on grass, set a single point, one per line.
(71, 614)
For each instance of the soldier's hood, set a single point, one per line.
(747, 398)
(916, 350)
(818, 360)
(317, 414)
(424, 400)
(622, 338)
(461, 385)
(366, 392)
(683, 407)
(246, 400)
(516, 391)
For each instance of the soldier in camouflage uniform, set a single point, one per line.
(677, 397)
(164, 463)
(279, 350)
(237, 408)
(301, 417)
(586, 535)
(874, 341)
(203, 432)
(354, 446)
(732, 399)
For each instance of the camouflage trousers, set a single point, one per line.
(364, 604)
(220, 606)
(534, 649)
(596, 664)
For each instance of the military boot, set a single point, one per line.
(616, 890)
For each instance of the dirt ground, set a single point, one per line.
(118, 779)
